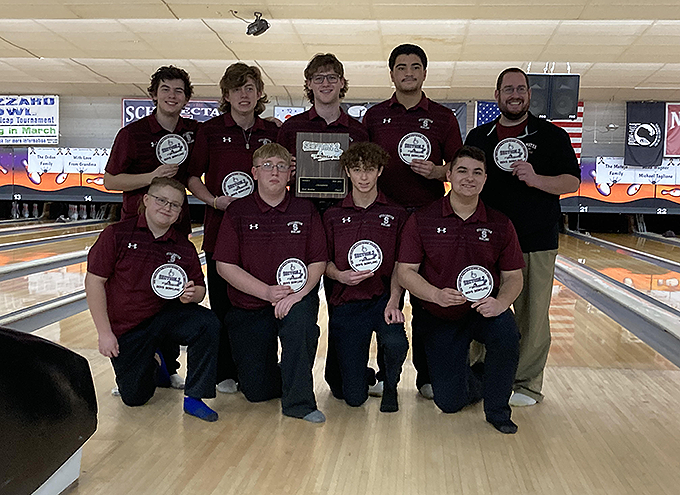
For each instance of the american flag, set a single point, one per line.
(486, 111)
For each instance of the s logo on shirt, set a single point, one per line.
(294, 226)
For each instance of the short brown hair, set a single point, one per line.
(321, 61)
(499, 81)
(470, 152)
(168, 73)
(236, 76)
(159, 183)
(271, 150)
(364, 154)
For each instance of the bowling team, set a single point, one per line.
(465, 258)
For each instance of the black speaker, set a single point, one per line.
(564, 96)
(540, 95)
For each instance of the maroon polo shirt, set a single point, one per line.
(126, 254)
(220, 149)
(389, 123)
(310, 121)
(258, 238)
(134, 152)
(346, 224)
(444, 245)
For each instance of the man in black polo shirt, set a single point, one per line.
(531, 162)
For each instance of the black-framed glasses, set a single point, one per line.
(269, 166)
(331, 78)
(508, 90)
(162, 202)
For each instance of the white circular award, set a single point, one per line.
(168, 281)
(414, 146)
(293, 273)
(172, 149)
(475, 282)
(509, 151)
(238, 185)
(365, 255)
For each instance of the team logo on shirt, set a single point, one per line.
(386, 219)
(188, 137)
(509, 151)
(387, 120)
(364, 255)
(132, 246)
(346, 219)
(484, 234)
(173, 257)
(441, 230)
(264, 141)
(238, 184)
(414, 146)
(294, 226)
(293, 273)
(475, 282)
(425, 123)
(168, 281)
(226, 139)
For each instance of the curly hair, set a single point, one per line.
(168, 73)
(323, 61)
(237, 75)
(365, 155)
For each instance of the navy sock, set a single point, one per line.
(197, 408)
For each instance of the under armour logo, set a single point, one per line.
(425, 123)
(132, 246)
(226, 139)
(441, 230)
(254, 226)
(173, 257)
(346, 219)
(387, 120)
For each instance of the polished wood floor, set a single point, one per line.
(609, 425)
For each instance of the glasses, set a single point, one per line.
(162, 202)
(331, 78)
(269, 166)
(508, 90)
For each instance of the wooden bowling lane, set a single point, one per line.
(51, 232)
(650, 246)
(659, 283)
(608, 425)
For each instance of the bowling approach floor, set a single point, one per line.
(608, 425)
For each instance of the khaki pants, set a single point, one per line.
(531, 312)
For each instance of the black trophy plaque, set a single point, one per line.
(318, 173)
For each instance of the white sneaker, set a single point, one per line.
(176, 381)
(521, 400)
(376, 390)
(115, 392)
(426, 391)
(227, 386)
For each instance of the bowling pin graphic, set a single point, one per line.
(603, 188)
(633, 189)
(99, 181)
(675, 192)
(3, 170)
(34, 177)
(61, 178)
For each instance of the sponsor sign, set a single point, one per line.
(135, 109)
(29, 120)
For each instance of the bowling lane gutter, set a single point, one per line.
(48, 312)
(654, 322)
(664, 263)
(26, 229)
(47, 240)
(671, 241)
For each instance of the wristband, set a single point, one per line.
(215, 203)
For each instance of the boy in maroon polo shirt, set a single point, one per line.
(420, 136)
(133, 163)
(224, 153)
(271, 249)
(143, 283)
(462, 264)
(362, 233)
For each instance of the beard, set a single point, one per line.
(516, 115)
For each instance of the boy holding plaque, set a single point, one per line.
(156, 146)
(143, 283)
(462, 264)
(271, 249)
(224, 153)
(362, 233)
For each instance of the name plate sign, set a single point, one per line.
(318, 173)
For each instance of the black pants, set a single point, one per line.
(447, 344)
(350, 329)
(220, 305)
(187, 324)
(253, 335)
